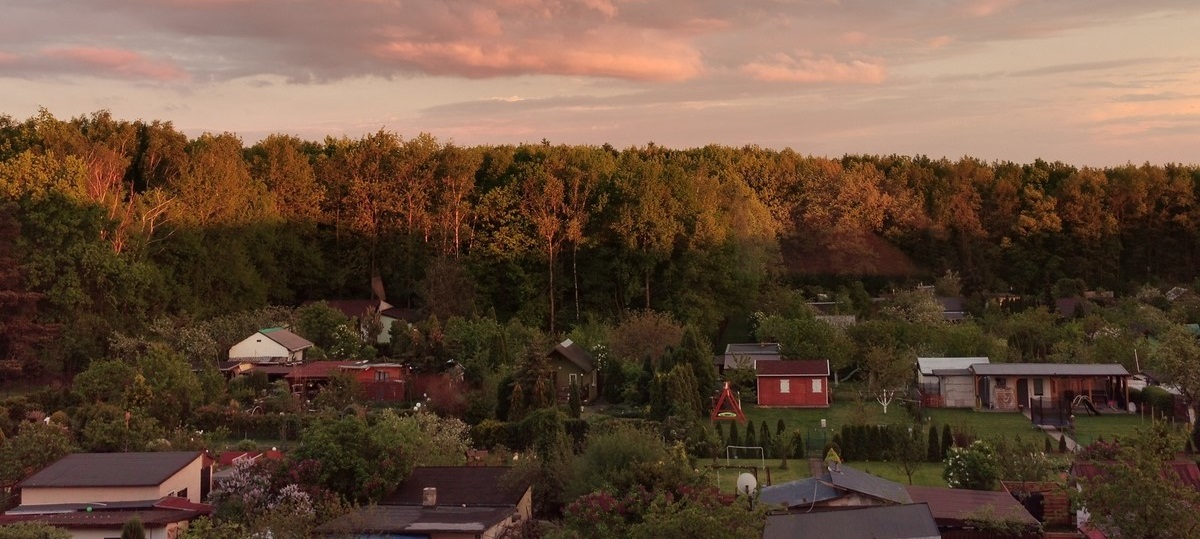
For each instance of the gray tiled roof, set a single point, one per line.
(847, 478)
(797, 493)
(111, 469)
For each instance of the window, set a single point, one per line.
(817, 386)
(573, 379)
(785, 385)
(381, 376)
(1039, 387)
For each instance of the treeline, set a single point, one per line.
(110, 224)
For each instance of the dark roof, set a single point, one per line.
(151, 518)
(153, 513)
(952, 304)
(929, 365)
(955, 506)
(287, 339)
(873, 522)
(402, 313)
(754, 349)
(1049, 369)
(788, 367)
(575, 354)
(111, 469)
(473, 486)
(797, 493)
(414, 519)
(847, 478)
(1067, 306)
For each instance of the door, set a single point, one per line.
(1023, 392)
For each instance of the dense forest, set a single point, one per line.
(109, 225)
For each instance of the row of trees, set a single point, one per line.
(120, 222)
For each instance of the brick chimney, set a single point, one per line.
(429, 497)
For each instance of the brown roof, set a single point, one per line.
(1187, 471)
(789, 367)
(111, 469)
(318, 369)
(287, 339)
(957, 505)
(472, 486)
(575, 354)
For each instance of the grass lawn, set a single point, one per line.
(844, 412)
(1089, 428)
(927, 474)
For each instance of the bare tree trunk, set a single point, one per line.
(575, 275)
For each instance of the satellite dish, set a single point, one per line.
(746, 483)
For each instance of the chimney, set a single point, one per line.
(429, 497)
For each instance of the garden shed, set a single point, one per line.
(793, 383)
(947, 382)
(1014, 386)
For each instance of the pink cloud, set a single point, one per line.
(120, 62)
(824, 69)
(670, 62)
(985, 8)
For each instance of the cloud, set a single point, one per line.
(823, 69)
(106, 62)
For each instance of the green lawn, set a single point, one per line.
(845, 412)
(927, 474)
(1089, 428)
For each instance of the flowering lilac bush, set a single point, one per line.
(972, 467)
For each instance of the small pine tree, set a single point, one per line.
(133, 529)
(1048, 449)
(947, 440)
(780, 428)
(764, 439)
(933, 452)
(1062, 444)
(574, 403)
(799, 450)
(751, 436)
(734, 439)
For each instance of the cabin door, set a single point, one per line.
(1023, 392)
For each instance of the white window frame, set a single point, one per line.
(785, 385)
(818, 386)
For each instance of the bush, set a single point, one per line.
(972, 467)
(489, 433)
(1160, 401)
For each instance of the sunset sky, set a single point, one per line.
(1087, 82)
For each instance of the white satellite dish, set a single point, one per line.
(747, 483)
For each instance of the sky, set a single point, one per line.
(1085, 82)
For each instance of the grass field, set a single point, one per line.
(1089, 428)
(927, 474)
(843, 412)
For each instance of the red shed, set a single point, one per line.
(794, 384)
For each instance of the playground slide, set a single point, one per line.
(1087, 403)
